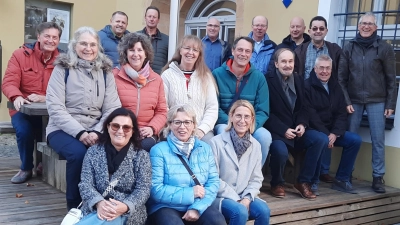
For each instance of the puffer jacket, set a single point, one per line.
(172, 186)
(368, 75)
(133, 187)
(27, 73)
(261, 59)
(160, 43)
(147, 102)
(110, 42)
(83, 101)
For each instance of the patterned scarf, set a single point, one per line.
(139, 77)
(184, 147)
(240, 144)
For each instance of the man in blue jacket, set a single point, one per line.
(111, 35)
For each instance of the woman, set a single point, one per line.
(187, 80)
(175, 198)
(140, 88)
(80, 95)
(119, 149)
(238, 158)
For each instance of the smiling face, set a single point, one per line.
(323, 69)
(182, 132)
(121, 136)
(136, 56)
(285, 63)
(49, 40)
(242, 53)
(260, 26)
(118, 24)
(87, 47)
(189, 52)
(242, 120)
(297, 28)
(213, 27)
(152, 18)
(318, 30)
(367, 26)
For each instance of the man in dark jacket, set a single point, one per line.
(158, 40)
(327, 109)
(307, 52)
(111, 35)
(367, 75)
(216, 51)
(287, 124)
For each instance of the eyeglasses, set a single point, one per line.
(88, 45)
(260, 25)
(323, 68)
(212, 25)
(318, 28)
(116, 127)
(178, 123)
(367, 24)
(239, 117)
(241, 50)
(195, 50)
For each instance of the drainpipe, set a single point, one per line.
(173, 27)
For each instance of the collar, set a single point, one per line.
(289, 80)
(157, 35)
(229, 63)
(322, 47)
(208, 38)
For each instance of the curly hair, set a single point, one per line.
(129, 41)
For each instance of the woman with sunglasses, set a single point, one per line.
(80, 95)
(238, 158)
(117, 156)
(187, 80)
(178, 198)
(140, 88)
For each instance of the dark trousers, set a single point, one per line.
(73, 151)
(314, 142)
(25, 128)
(169, 216)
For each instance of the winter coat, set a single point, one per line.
(133, 187)
(261, 59)
(226, 52)
(327, 110)
(110, 42)
(205, 105)
(255, 91)
(172, 186)
(368, 75)
(83, 101)
(160, 43)
(238, 179)
(26, 73)
(147, 102)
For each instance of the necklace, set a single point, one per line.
(45, 60)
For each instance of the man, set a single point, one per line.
(237, 79)
(367, 75)
(216, 50)
(158, 40)
(25, 81)
(111, 35)
(328, 114)
(263, 46)
(287, 124)
(307, 52)
(294, 39)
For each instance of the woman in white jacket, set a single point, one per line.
(187, 80)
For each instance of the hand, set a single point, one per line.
(290, 133)
(105, 210)
(300, 129)
(332, 139)
(199, 191)
(191, 215)
(93, 137)
(119, 207)
(19, 101)
(350, 109)
(145, 132)
(86, 139)
(199, 134)
(36, 98)
(388, 112)
(246, 202)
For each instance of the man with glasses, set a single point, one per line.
(263, 46)
(367, 75)
(216, 51)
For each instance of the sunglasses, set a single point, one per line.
(318, 28)
(116, 127)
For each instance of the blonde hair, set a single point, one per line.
(185, 108)
(237, 104)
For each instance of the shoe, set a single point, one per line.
(343, 186)
(326, 178)
(278, 191)
(39, 169)
(378, 185)
(21, 177)
(305, 191)
(314, 189)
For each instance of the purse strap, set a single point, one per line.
(237, 94)
(114, 182)
(196, 181)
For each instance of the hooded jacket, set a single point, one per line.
(261, 59)
(110, 42)
(160, 43)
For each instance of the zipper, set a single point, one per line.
(97, 84)
(138, 101)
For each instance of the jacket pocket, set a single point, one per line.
(31, 80)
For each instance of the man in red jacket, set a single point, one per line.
(25, 81)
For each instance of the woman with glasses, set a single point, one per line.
(187, 80)
(238, 158)
(80, 95)
(117, 156)
(140, 88)
(176, 196)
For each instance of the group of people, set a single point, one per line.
(184, 141)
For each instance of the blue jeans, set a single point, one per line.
(262, 135)
(25, 127)
(351, 143)
(376, 121)
(73, 151)
(169, 216)
(237, 213)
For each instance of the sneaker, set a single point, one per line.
(343, 186)
(378, 185)
(21, 177)
(314, 189)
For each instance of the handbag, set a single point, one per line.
(196, 181)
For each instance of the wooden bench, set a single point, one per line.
(6, 128)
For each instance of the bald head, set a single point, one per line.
(297, 28)
(213, 27)
(260, 26)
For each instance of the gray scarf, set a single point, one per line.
(184, 147)
(240, 144)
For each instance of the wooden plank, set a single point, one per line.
(32, 109)
(371, 218)
(393, 220)
(46, 220)
(26, 216)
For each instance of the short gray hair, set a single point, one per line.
(172, 114)
(368, 14)
(323, 57)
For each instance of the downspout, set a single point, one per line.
(173, 28)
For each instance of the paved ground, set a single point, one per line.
(8, 146)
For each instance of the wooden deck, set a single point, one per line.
(43, 204)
